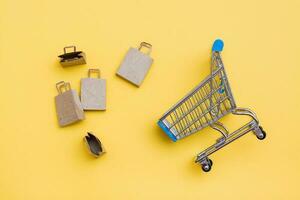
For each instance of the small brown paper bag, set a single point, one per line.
(68, 106)
(136, 64)
(72, 58)
(93, 92)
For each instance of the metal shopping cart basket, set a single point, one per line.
(204, 106)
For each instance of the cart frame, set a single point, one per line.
(208, 102)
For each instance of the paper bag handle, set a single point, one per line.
(146, 45)
(69, 47)
(96, 71)
(63, 85)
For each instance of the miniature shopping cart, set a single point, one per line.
(204, 106)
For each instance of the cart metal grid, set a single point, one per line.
(204, 106)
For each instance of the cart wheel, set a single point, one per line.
(206, 167)
(262, 134)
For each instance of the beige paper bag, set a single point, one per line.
(136, 64)
(68, 106)
(94, 145)
(93, 92)
(72, 58)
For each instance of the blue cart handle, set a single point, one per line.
(218, 45)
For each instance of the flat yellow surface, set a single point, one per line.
(41, 161)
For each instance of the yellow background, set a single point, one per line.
(40, 160)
